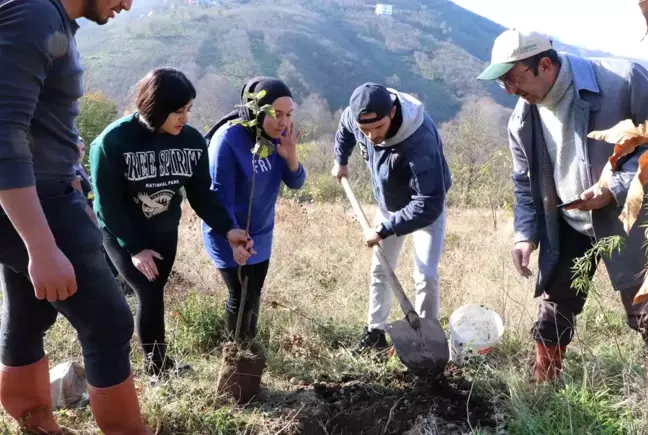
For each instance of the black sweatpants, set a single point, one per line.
(149, 320)
(98, 310)
(257, 274)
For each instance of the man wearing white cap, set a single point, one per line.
(562, 99)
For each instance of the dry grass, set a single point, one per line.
(320, 265)
(321, 269)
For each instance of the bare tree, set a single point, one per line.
(476, 145)
(314, 117)
(217, 96)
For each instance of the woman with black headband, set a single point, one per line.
(139, 164)
(231, 163)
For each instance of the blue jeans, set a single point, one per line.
(98, 311)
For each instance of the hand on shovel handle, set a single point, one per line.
(372, 238)
(420, 343)
(405, 304)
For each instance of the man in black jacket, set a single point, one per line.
(51, 260)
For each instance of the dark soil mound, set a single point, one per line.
(392, 405)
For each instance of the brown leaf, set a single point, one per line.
(642, 294)
(643, 5)
(626, 137)
(636, 195)
(606, 177)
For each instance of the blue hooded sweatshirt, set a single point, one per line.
(409, 173)
(230, 165)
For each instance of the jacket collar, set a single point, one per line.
(584, 80)
(584, 77)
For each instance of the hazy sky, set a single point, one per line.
(616, 26)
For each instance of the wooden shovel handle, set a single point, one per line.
(405, 304)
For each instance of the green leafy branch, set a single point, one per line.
(582, 280)
(262, 147)
(582, 268)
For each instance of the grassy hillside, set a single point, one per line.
(313, 385)
(432, 48)
(315, 299)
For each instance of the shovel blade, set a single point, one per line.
(424, 351)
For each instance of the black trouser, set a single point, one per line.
(257, 274)
(561, 303)
(149, 320)
(98, 310)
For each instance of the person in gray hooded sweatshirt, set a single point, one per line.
(410, 180)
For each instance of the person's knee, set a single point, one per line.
(378, 274)
(106, 345)
(233, 302)
(550, 333)
(376, 271)
(376, 267)
(428, 281)
(21, 343)
(636, 313)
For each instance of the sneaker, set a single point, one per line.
(180, 369)
(168, 368)
(372, 340)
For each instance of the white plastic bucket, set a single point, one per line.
(474, 331)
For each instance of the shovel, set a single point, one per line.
(420, 343)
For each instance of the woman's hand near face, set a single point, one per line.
(287, 147)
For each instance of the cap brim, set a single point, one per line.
(495, 71)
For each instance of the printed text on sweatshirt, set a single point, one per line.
(137, 177)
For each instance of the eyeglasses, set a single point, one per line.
(513, 83)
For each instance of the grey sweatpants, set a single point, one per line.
(428, 244)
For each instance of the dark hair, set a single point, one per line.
(162, 92)
(534, 61)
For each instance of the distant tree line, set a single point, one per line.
(475, 143)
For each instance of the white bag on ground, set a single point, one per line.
(67, 384)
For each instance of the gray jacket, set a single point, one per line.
(607, 92)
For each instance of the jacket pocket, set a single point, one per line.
(54, 190)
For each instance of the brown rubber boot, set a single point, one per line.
(25, 395)
(116, 409)
(63, 431)
(549, 361)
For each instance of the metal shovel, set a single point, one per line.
(420, 343)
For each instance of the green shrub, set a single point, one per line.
(200, 324)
